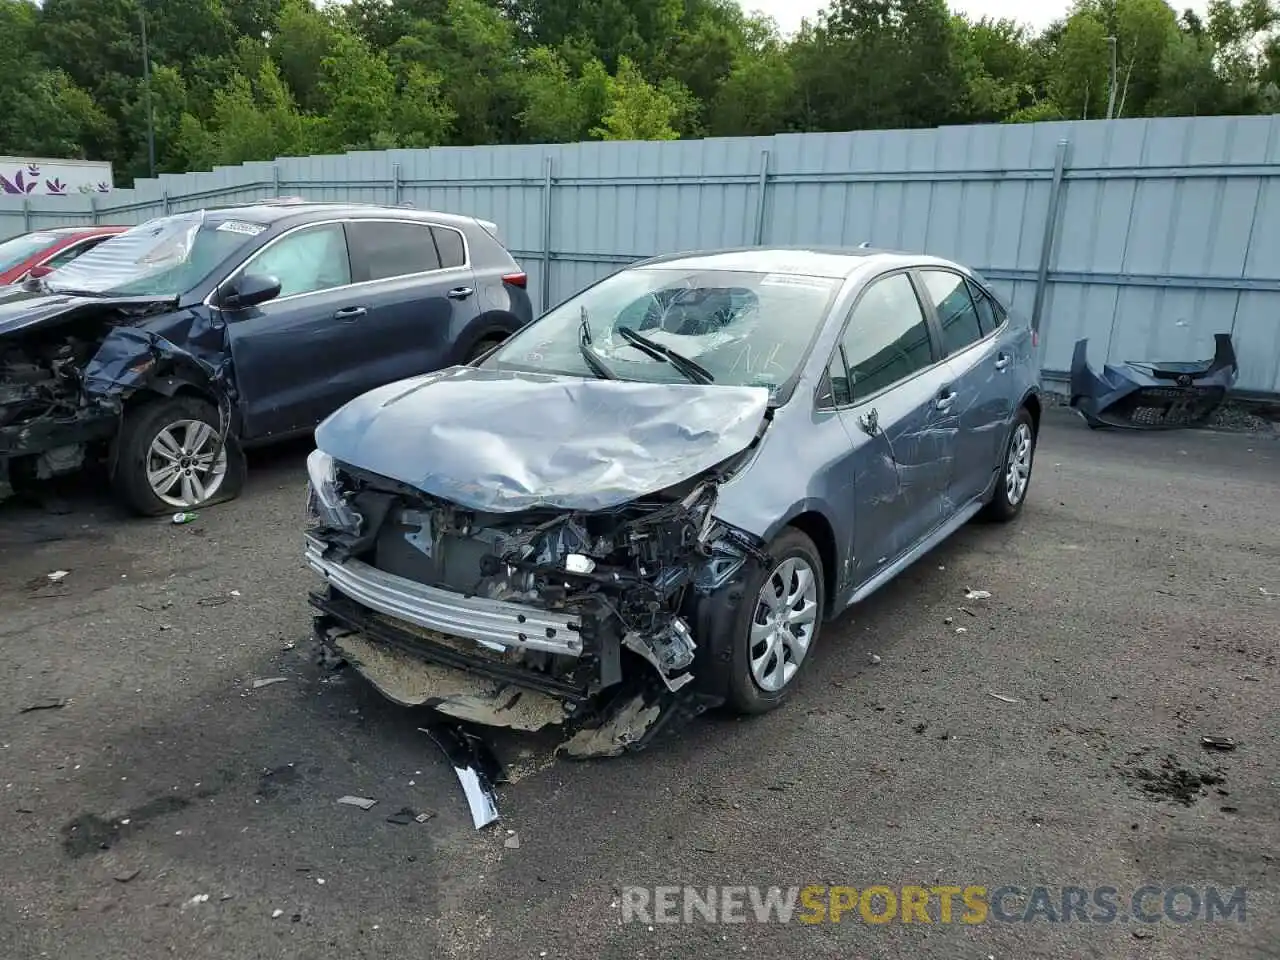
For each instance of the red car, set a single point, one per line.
(46, 250)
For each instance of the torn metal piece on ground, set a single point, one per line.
(50, 704)
(1152, 396)
(268, 681)
(364, 803)
(477, 769)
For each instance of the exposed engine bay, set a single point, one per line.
(591, 598)
(65, 377)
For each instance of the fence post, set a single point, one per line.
(93, 207)
(545, 292)
(275, 179)
(1050, 229)
(395, 184)
(761, 192)
(165, 200)
(26, 214)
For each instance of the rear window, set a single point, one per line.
(393, 249)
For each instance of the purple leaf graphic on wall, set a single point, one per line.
(19, 184)
(56, 186)
(104, 187)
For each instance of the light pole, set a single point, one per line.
(1111, 99)
(146, 85)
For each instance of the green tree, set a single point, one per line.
(358, 91)
(636, 109)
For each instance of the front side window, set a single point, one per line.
(393, 249)
(956, 313)
(305, 261)
(887, 338)
(743, 328)
(165, 257)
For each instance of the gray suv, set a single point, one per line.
(169, 348)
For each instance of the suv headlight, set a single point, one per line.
(326, 506)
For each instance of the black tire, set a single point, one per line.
(484, 345)
(745, 695)
(1001, 507)
(142, 424)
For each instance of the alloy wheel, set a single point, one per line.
(1017, 472)
(782, 627)
(181, 468)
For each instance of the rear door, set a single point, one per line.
(291, 354)
(893, 394)
(979, 375)
(419, 291)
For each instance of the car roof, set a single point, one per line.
(86, 231)
(292, 212)
(813, 261)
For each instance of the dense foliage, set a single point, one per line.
(236, 80)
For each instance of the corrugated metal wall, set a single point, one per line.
(1167, 231)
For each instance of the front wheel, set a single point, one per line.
(1015, 470)
(169, 459)
(777, 624)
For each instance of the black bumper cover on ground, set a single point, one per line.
(1152, 396)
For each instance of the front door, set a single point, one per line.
(291, 354)
(898, 409)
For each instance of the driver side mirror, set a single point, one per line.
(43, 270)
(250, 290)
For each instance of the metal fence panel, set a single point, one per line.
(1167, 230)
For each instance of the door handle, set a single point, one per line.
(350, 313)
(944, 401)
(459, 293)
(1002, 361)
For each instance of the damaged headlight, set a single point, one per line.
(325, 504)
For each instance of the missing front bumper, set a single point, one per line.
(1152, 396)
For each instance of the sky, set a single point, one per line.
(1035, 13)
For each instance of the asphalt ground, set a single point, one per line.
(1130, 616)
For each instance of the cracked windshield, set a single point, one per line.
(671, 325)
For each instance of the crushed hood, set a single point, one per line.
(502, 441)
(22, 308)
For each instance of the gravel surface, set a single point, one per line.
(158, 805)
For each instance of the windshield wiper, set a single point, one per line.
(692, 370)
(589, 355)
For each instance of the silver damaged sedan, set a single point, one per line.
(650, 499)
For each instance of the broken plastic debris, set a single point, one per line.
(1218, 743)
(235, 593)
(277, 914)
(977, 594)
(874, 658)
(50, 704)
(403, 816)
(268, 681)
(198, 898)
(1268, 594)
(364, 803)
(962, 629)
(475, 766)
(424, 817)
(1003, 699)
(127, 875)
(59, 574)
(512, 842)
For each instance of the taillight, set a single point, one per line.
(1035, 339)
(520, 280)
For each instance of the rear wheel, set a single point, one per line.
(1015, 470)
(777, 624)
(169, 459)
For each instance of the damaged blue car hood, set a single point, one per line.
(501, 441)
(21, 308)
